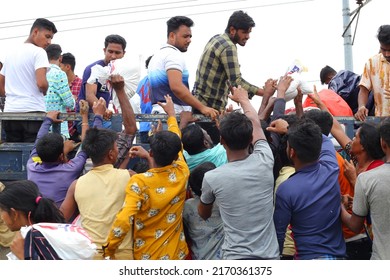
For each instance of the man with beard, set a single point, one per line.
(219, 64)
(168, 73)
(375, 78)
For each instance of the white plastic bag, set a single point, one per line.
(70, 241)
(129, 69)
(297, 71)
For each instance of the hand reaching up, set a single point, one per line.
(99, 107)
(168, 106)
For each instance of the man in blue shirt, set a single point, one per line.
(310, 199)
(143, 91)
(114, 48)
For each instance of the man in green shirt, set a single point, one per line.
(219, 64)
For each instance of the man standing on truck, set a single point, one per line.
(23, 81)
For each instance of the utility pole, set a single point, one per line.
(347, 21)
(348, 57)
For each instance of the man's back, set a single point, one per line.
(100, 195)
(310, 201)
(53, 178)
(346, 84)
(154, 202)
(143, 91)
(206, 237)
(161, 195)
(216, 155)
(372, 195)
(59, 97)
(244, 192)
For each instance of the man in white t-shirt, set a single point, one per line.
(168, 73)
(23, 81)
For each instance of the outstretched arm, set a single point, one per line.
(183, 93)
(337, 130)
(128, 117)
(170, 110)
(241, 96)
(269, 90)
(362, 112)
(84, 109)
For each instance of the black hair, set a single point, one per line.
(325, 72)
(174, 23)
(236, 130)
(53, 51)
(305, 138)
(370, 140)
(42, 23)
(322, 118)
(193, 139)
(240, 20)
(165, 146)
(197, 174)
(115, 39)
(264, 124)
(68, 58)
(24, 196)
(147, 61)
(281, 159)
(141, 166)
(50, 147)
(98, 142)
(384, 34)
(384, 130)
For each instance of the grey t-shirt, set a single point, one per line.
(206, 236)
(372, 194)
(244, 192)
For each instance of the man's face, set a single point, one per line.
(182, 38)
(112, 52)
(42, 37)
(328, 78)
(356, 147)
(385, 51)
(65, 67)
(240, 36)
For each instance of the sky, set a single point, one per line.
(307, 30)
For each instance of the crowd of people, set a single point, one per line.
(248, 184)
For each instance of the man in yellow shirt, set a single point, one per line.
(154, 202)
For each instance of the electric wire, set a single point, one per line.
(160, 18)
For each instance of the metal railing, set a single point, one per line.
(14, 156)
(116, 119)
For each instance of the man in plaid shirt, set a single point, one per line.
(219, 64)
